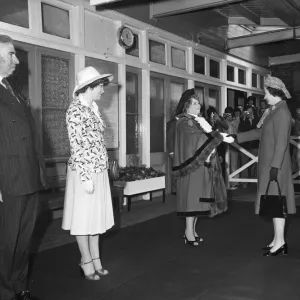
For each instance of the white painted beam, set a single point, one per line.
(174, 7)
(263, 38)
(246, 13)
(263, 22)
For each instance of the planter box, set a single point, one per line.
(136, 187)
(141, 186)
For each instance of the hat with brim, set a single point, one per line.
(89, 75)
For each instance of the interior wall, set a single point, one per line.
(191, 25)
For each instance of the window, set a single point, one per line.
(55, 21)
(133, 116)
(157, 115)
(214, 68)
(55, 101)
(230, 73)
(199, 64)
(178, 58)
(242, 76)
(134, 50)
(15, 13)
(254, 80)
(157, 52)
(262, 81)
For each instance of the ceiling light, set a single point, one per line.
(101, 2)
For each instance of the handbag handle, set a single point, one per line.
(277, 186)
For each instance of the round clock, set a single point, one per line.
(126, 37)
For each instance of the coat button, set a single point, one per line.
(14, 121)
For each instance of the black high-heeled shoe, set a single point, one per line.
(194, 243)
(283, 250)
(266, 248)
(197, 238)
(93, 276)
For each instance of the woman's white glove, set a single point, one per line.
(204, 124)
(89, 186)
(226, 138)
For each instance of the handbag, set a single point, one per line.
(273, 206)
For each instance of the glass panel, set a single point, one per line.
(55, 21)
(157, 52)
(55, 101)
(131, 93)
(55, 82)
(178, 58)
(134, 50)
(156, 114)
(156, 134)
(176, 90)
(214, 68)
(230, 73)
(199, 90)
(156, 96)
(133, 116)
(15, 13)
(213, 98)
(262, 82)
(242, 76)
(132, 134)
(199, 64)
(55, 134)
(254, 80)
(19, 79)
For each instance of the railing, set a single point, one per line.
(253, 159)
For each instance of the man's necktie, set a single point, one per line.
(8, 86)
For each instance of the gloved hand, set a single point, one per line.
(234, 136)
(226, 138)
(204, 124)
(273, 174)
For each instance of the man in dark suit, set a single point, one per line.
(20, 166)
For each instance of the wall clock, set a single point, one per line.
(126, 37)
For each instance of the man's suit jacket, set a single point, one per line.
(19, 156)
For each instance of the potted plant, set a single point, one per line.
(139, 180)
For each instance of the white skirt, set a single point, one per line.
(87, 214)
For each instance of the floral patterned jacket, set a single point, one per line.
(87, 145)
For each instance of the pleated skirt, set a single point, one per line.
(87, 214)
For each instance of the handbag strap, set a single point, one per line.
(279, 191)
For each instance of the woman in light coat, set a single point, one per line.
(88, 206)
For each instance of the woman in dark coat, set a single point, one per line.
(274, 161)
(195, 144)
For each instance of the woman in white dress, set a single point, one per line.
(88, 208)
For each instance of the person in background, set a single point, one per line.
(170, 133)
(195, 144)
(274, 161)
(233, 124)
(263, 107)
(237, 114)
(248, 122)
(22, 170)
(250, 103)
(296, 150)
(88, 208)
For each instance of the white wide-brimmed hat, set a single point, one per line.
(87, 76)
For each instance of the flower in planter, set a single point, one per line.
(132, 173)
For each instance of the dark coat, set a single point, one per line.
(274, 151)
(19, 156)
